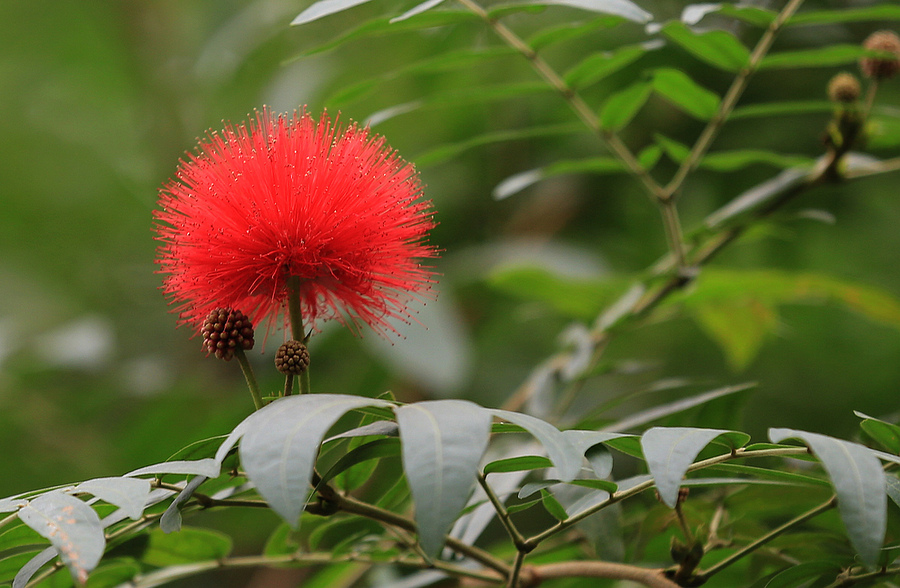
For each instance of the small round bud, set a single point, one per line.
(879, 68)
(226, 330)
(844, 88)
(292, 358)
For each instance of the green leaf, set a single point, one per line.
(115, 573)
(384, 26)
(800, 574)
(738, 326)
(447, 152)
(887, 434)
(669, 452)
(729, 161)
(820, 57)
(10, 565)
(279, 443)
(674, 150)
(717, 48)
(189, 545)
(882, 132)
(518, 464)
(867, 13)
(443, 442)
(324, 8)
(568, 31)
(553, 506)
(760, 473)
(597, 66)
(72, 527)
(281, 542)
(564, 455)
(620, 108)
(782, 109)
(677, 87)
(753, 15)
(859, 483)
(377, 449)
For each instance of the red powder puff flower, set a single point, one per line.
(286, 196)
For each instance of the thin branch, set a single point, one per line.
(729, 101)
(502, 513)
(535, 540)
(513, 581)
(751, 547)
(575, 101)
(654, 578)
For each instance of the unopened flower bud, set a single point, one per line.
(292, 358)
(226, 330)
(844, 88)
(879, 68)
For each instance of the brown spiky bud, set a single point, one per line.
(226, 330)
(881, 67)
(844, 88)
(292, 358)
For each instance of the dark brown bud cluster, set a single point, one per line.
(844, 88)
(226, 330)
(292, 358)
(881, 67)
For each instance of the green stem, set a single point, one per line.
(250, 377)
(288, 384)
(718, 567)
(533, 541)
(297, 332)
(502, 513)
(517, 567)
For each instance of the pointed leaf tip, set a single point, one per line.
(443, 442)
(859, 483)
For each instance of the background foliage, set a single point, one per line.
(99, 100)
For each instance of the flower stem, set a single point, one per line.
(250, 377)
(297, 332)
(288, 384)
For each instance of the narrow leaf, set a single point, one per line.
(728, 161)
(324, 8)
(620, 108)
(867, 13)
(129, 494)
(757, 196)
(563, 454)
(782, 109)
(518, 464)
(208, 467)
(569, 31)
(657, 412)
(670, 452)
(442, 445)
(171, 518)
(717, 48)
(859, 483)
(34, 564)
(72, 527)
(388, 428)
(799, 575)
(553, 506)
(376, 449)
(677, 87)
(280, 441)
(622, 8)
(887, 434)
(597, 66)
(418, 9)
(829, 56)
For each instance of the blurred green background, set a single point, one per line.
(99, 100)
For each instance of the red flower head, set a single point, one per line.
(286, 196)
